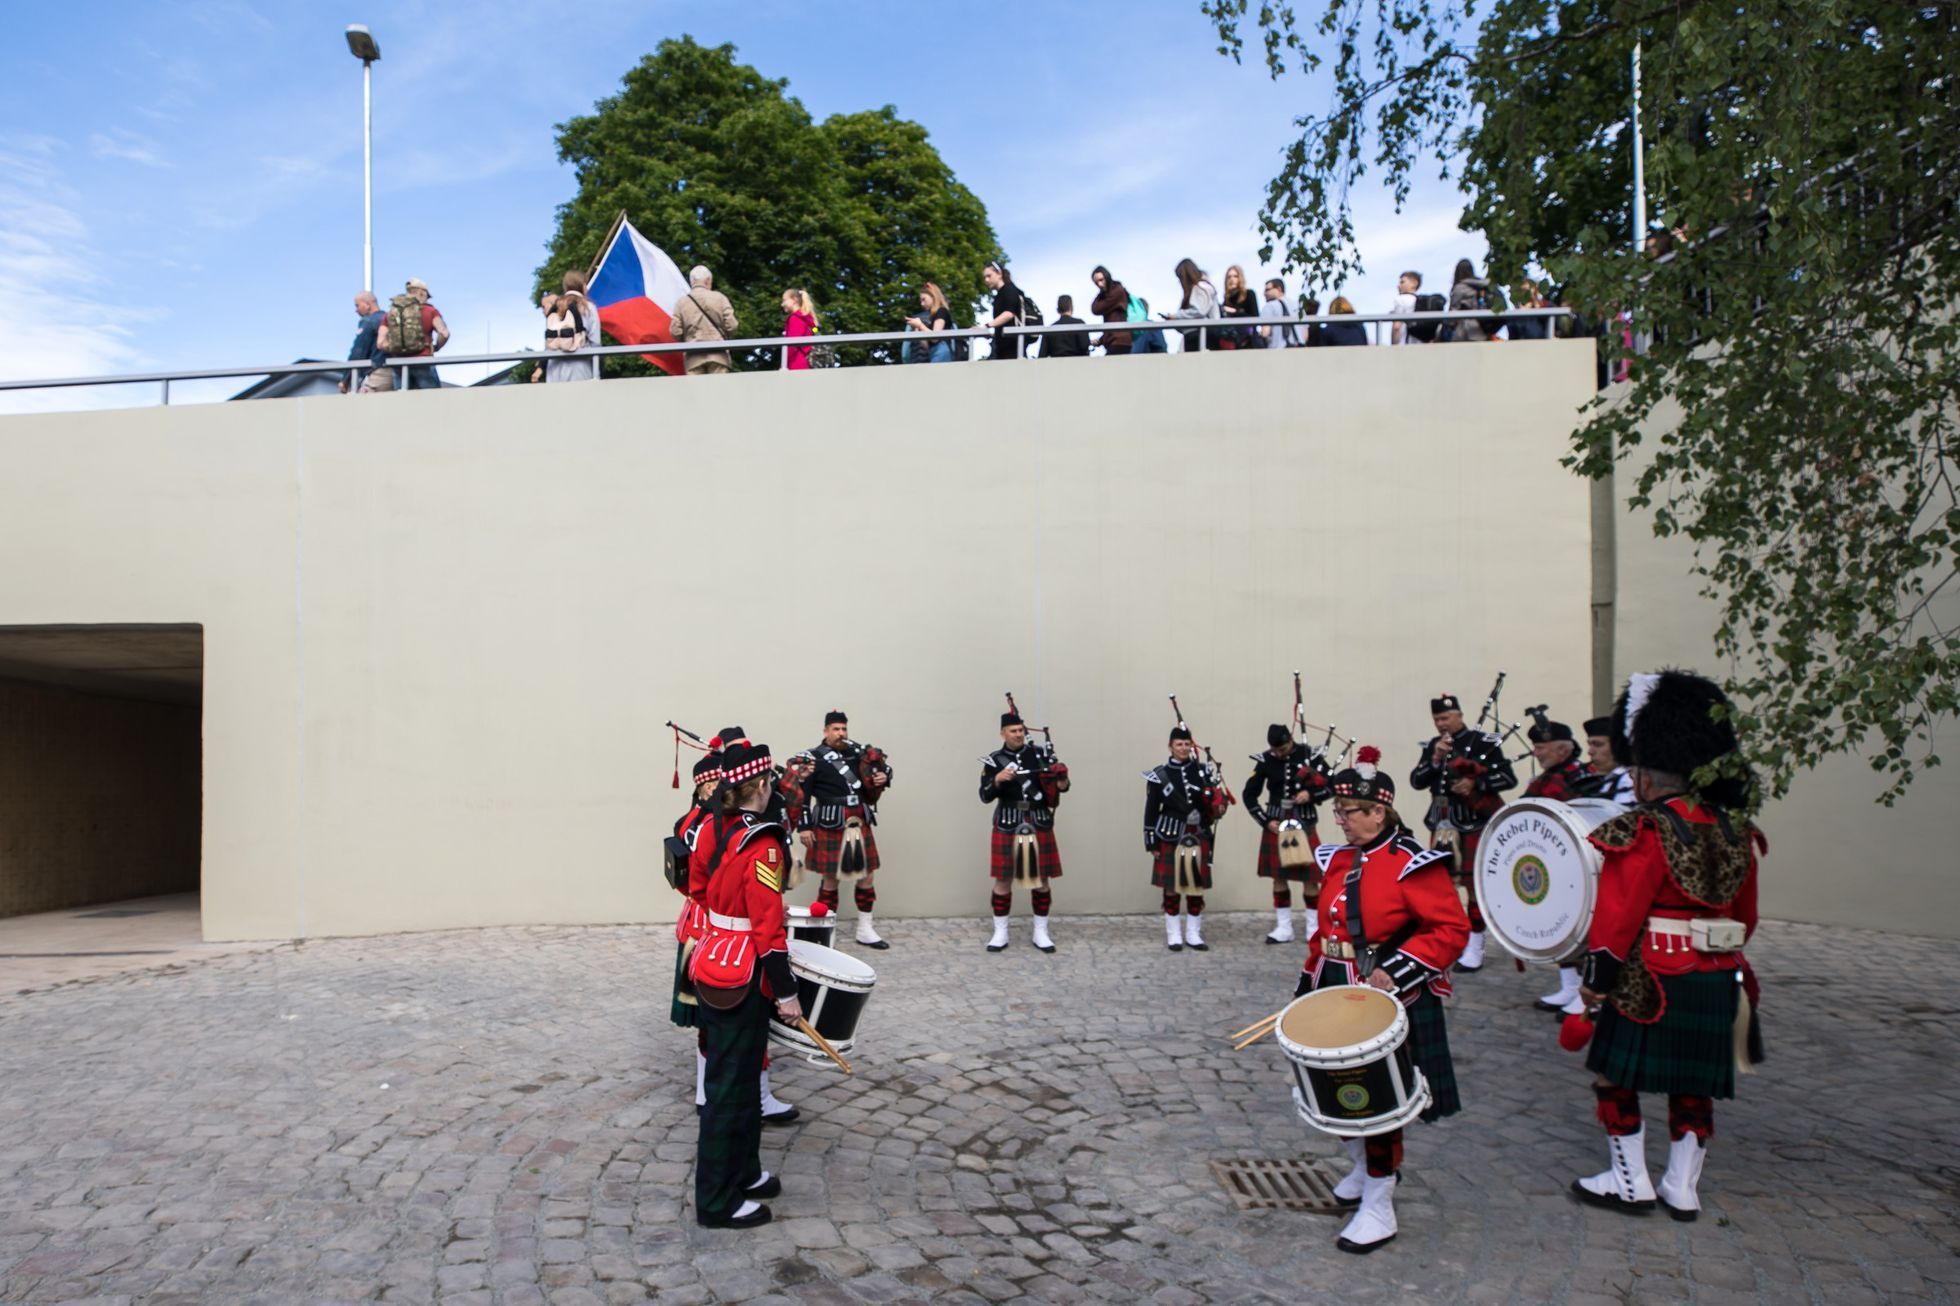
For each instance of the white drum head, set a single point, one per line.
(830, 965)
(1536, 875)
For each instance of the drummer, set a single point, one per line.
(1677, 902)
(740, 970)
(1390, 918)
(687, 930)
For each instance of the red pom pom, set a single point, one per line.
(819, 908)
(1575, 1031)
(1367, 755)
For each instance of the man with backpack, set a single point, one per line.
(704, 313)
(1410, 299)
(414, 329)
(1274, 305)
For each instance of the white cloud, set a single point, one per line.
(126, 145)
(59, 323)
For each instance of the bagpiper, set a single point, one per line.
(1389, 917)
(740, 971)
(1287, 785)
(842, 781)
(1665, 966)
(1024, 781)
(1562, 776)
(1181, 804)
(1612, 780)
(1464, 770)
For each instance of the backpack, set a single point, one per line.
(1138, 310)
(1426, 331)
(961, 349)
(569, 334)
(1030, 311)
(405, 334)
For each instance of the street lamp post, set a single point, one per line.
(360, 43)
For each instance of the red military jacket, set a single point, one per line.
(1649, 871)
(697, 829)
(1561, 783)
(748, 886)
(1407, 900)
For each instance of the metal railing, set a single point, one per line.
(1210, 325)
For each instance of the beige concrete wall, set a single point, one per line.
(98, 798)
(442, 629)
(1835, 855)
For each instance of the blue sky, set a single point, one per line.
(180, 184)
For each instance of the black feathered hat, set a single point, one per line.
(743, 760)
(707, 768)
(1277, 735)
(1444, 703)
(835, 718)
(1180, 731)
(1010, 719)
(1549, 731)
(1669, 721)
(1364, 781)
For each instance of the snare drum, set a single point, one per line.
(1348, 1048)
(1536, 875)
(820, 930)
(833, 987)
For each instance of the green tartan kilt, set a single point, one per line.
(684, 1014)
(1689, 1050)
(1429, 1048)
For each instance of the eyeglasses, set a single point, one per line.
(1358, 809)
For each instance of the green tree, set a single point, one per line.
(718, 165)
(1801, 389)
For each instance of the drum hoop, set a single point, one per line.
(1570, 819)
(1349, 1055)
(860, 978)
(1407, 1112)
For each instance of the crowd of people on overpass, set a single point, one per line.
(1205, 318)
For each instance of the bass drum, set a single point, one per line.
(1536, 876)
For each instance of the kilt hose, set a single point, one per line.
(1001, 854)
(728, 1158)
(1270, 869)
(826, 846)
(1429, 1045)
(1690, 1050)
(1163, 865)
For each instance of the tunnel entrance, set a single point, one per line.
(101, 765)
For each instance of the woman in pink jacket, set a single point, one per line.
(801, 321)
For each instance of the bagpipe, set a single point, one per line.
(1218, 796)
(1051, 773)
(1313, 774)
(874, 768)
(674, 849)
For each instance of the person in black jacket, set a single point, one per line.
(1024, 781)
(1287, 783)
(1464, 770)
(1181, 806)
(1069, 344)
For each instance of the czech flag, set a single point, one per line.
(636, 290)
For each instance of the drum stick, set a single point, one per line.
(1265, 1030)
(823, 1043)
(1263, 1020)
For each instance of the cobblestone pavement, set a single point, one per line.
(506, 1115)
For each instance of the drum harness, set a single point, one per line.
(1363, 954)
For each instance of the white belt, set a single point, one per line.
(737, 923)
(1668, 925)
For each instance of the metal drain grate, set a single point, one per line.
(1280, 1186)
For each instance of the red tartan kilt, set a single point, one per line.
(1163, 865)
(1270, 869)
(1000, 861)
(826, 846)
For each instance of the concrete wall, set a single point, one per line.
(442, 629)
(98, 798)
(1835, 855)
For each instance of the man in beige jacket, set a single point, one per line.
(704, 313)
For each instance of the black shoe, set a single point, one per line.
(996, 947)
(767, 1187)
(1556, 1008)
(1045, 947)
(700, 1110)
(880, 945)
(1362, 1249)
(756, 1217)
(787, 1115)
(1682, 1214)
(1200, 947)
(1175, 947)
(1610, 1202)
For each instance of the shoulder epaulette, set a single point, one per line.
(1424, 858)
(1325, 853)
(769, 869)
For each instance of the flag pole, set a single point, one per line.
(605, 247)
